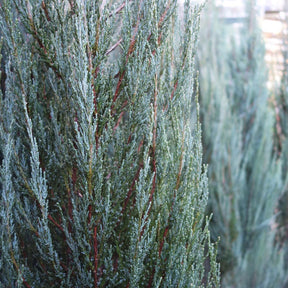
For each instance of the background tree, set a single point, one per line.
(280, 104)
(244, 173)
(102, 176)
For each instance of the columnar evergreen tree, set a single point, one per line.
(102, 183)
(244, 174)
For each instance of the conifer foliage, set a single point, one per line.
(102, 183)
(244, 173)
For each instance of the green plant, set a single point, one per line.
(244, 172)
(102, 176)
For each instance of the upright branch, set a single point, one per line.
(154, 166)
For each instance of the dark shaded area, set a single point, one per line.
(3, 77)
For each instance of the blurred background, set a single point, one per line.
(242, 60)
(272, 17)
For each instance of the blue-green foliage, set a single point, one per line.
(280, 103)
(102, 177)
(244, 174)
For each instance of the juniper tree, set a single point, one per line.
(102, 182)
(244, 174)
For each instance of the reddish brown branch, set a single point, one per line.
(131, 189)
(118, 121)
(132, 48)
(151, 278)
(119, 9)
(42, 46)
(50, 218)
(95, 46)
(45, 11)
(130, 51)
(140, 145)
(163, 15)
(163, 239)
(129, 194)
(132, 45)
(117, 91)
(166, 231)
(64, 266)
(154, 142)
(25, 283)
(33, 29)
(55, 223)
(159, 25)
(174, 89)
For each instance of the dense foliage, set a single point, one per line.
(102, 183)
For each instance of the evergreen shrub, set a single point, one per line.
(102, 182)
